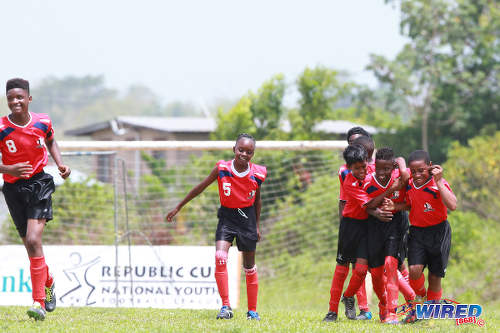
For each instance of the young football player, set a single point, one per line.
(239, 215)
(428, 197)
(24, 139)
(352, 244)
(357, 135)
(384, 238)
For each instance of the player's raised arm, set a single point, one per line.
(403, 172)
(449, 199)
(195, 191)
(55, 152)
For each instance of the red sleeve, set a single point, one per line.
(356, 192)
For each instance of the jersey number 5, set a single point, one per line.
(11, 146)
(227, 189)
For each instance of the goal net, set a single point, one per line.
(120, 192)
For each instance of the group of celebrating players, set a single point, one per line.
(374, 232)
(375, 235)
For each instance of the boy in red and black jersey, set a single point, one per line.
(357, 135)
(384, 238)
(352, 244)
(239, 215)
(24, 140)
(428, 197)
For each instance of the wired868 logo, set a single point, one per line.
(446, 309)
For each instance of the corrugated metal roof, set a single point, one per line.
(163, 124)
(201, 125)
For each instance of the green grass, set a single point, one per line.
(14, 319)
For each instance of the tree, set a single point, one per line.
(474, 174)
(238, 120)
(448, 72)
(64, 98)
(319, 89)
(267, 107)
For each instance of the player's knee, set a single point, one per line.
(360, 269)
(251, 271)
(33, 244)
(415, 272)
(220, 258)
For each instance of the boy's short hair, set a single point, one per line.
(384, 154)
(357, 130)
(17, 83)
(419, 155)
(367, 143)
(355, 153)
(245, 135)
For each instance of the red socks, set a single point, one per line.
(391, 274)
(418, 285)
(406, 275)
(39, 273)
(337, 285)
(404, 288)
(434, 296)
(221, 276)
(357, 279)
(252, 287)
(361, 296)
(378, 284)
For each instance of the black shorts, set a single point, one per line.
(430, 246)
(29, 199)
(403, 236)
(239, 223)
(352, 240)
(383, 239)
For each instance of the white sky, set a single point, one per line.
(193, 50)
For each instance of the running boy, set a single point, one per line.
(428, 198)
(24, 140)
(239, 215)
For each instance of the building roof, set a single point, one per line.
(162, 124)
(341, 127)
(333, 127)
(198, 125)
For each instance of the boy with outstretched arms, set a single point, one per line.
(352, 233)
(357, 135)
(428, 197)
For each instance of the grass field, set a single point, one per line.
(14, 319)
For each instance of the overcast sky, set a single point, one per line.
(193, 50)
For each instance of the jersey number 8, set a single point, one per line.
(11, 146)
(227, 189)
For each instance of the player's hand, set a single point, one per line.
(388, 205)
(22, 170)
(436, 172)
(171, 214)
(64, 171)
(258, 234)
(383, 215)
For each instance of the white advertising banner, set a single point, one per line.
(158, 276)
